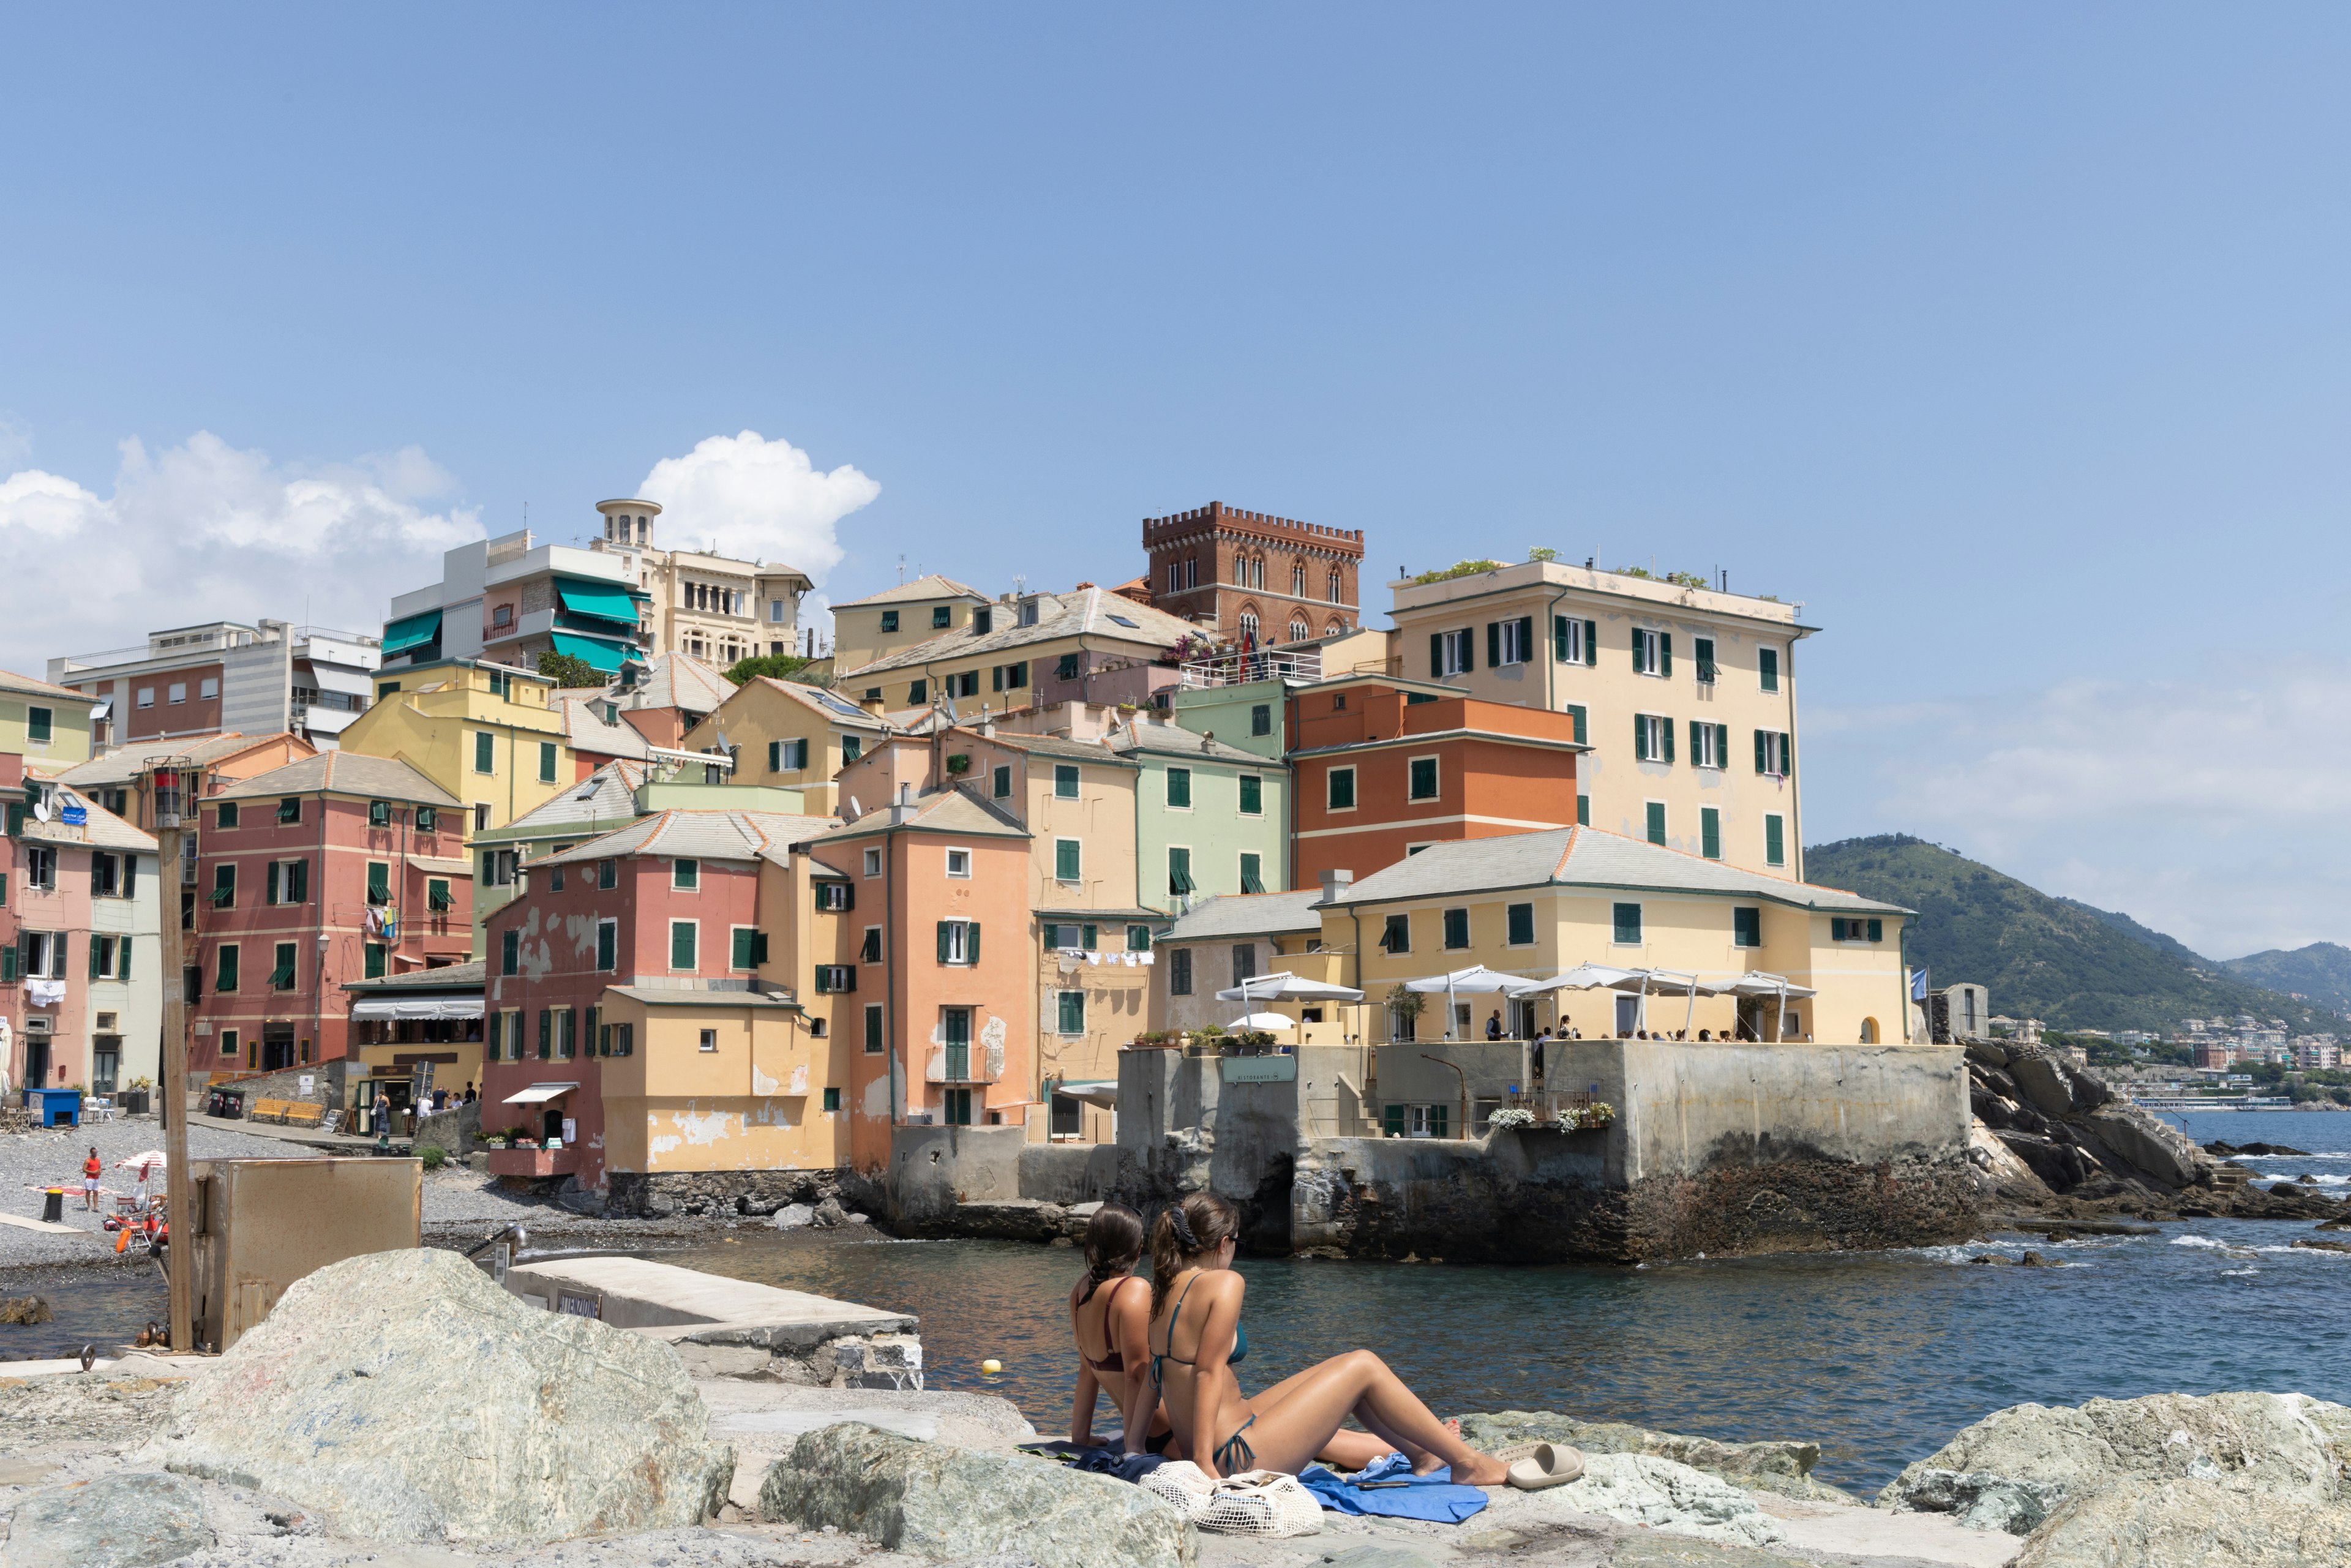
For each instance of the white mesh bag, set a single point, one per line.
(1181, 1486)
(1261, 1502)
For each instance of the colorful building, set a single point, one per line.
(1386, 767)
(48, 725)
(1209, 818)
(1685, 693)
(482, 733)
(786, 732)
(1255, 577)
(1037, 650)
(226, 676)
(899, 618)
(344, 866)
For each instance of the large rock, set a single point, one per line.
(2028, 1458)
(407, 1398)
(935, 1499)
(2137, 1137)
(2052, 1087)
(2188, 1524)
(1785, 1467)
(1641, 1488)
(115, 1522)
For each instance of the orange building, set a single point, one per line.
(1384, 766)
(919, 890)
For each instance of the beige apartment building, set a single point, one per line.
(1687, 695)
(896, 619)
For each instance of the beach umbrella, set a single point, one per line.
(1285, 987)
(1476, 980)
(1262, 1021)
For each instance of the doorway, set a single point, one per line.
(957, 1107)
(104, 1062)
(37, 1061)
(955, 1027)
(1628, 1012)
(276, 1046)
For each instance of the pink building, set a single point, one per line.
(340, 867)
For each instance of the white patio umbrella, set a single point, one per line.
(1670, 983)
(1476, 980)
(1755, 982)
(1285, 987)
(1262, 1021)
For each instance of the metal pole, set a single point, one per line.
(178, 1189)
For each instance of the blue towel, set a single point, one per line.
(1432, 1497)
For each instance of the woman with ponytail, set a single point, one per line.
(1197, 1337)
(1108, 1317)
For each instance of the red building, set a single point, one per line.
(1384, 766)
(338, 867)
(1273, 579)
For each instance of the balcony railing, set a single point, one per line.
(972, 1065)
(1239, 669)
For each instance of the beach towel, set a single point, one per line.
(1432, 1497)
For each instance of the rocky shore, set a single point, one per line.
(402, 1409)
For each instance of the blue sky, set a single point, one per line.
(2012, 341)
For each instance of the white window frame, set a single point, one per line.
(1775, 755)
(958, 857)
(1355, 789)
(958, 942)
(669, 951)
(1656, 725)
(1647, 650)
(1434, 760)
(708, 1039)
(1706, 746)
(1458, 648)
(1079, 880)
(872, 862)
(1512, 654)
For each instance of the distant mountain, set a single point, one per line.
(2045, 957)
(2321, 971)
(2137, 933)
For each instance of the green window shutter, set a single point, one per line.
(1559, 639)
(1775, 844)
(379, 881)
(485, 756)
(740, 957)
(1746, 928)
(1767, 665)
(509, 952)
(1252, 795)
(1640, 655)
(1523, 924)
(1640, 738)
(1788, 754)
(1584, 811)
(1065, 781)
(681, 944)
(1877, 930)
(1665, 734)
(1627, 923)
(1576, 711)
(1436, 672)
(374, 970)
(607, 939)
(1709, 833)
(1722, 745)
(971, 941)
(1073, 1012)
(1657, 821)
(122, 959)
(97, 957)
(297, 882)
(1493, 645)
(944, 940)
(775, 756)
(1180, 786)
(1592, 643)
(1179, 871)
(1527, 638)
(1252, 875)
(227, 978)
(1666, 653)
(1068, 860)
(1760, 760)
(1469, 651)
(271, 895)
(8, 962)
(1836, 929)
(545, 1033)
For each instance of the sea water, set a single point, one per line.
(1878, 1357)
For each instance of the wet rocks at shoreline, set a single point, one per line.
(1784, 1467)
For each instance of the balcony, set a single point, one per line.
(534, 1164)
(1239, 669)
(958, 1064)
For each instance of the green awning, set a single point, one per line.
(605, 601)
(605, 656)
(410, 631)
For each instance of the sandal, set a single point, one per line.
(1546, 1464)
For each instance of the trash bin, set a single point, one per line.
(53, 1206)
(134, 1102)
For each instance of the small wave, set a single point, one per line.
(2238, 1273)
(2213, 1242)
(2314, 1181)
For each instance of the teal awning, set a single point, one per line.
(605, 656)
(605, 601)
(410, 631)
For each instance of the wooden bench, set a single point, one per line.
(265, 1110)
(301, 1114)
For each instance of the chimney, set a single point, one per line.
(902, 809)
(1335, 883)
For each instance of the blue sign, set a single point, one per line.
(76, 814)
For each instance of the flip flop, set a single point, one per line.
(1550, 1465)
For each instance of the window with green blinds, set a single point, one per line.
(1423, 783)
(1073, 1012)
(1069, 860)
(1065, 781)
(1179, 871)
(546, 762)
(379, 883)
(1657, 821)
(1625, 923)
(1522, 923)
(608, 937)
(226, 976)
(1179, 788)
(374, 970)
(1746, 928)
(1251, 879)
(1252, 795)
(1775, 845)
(1342, 787)
(1710, 832)
(680, 944)
(1457, 928)
(281, 974)
(484, 752)
(1584, 811)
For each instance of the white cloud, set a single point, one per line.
(760, 500)
(207, 531)
(2209, 807)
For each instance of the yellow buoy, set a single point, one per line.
(991, 1367)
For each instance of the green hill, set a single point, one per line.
(2050, 958)
(2321, 972)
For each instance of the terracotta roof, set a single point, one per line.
(930, 585)
(126, 763)
(956, 811)
(29, 686)
(449, 976)
(699, 835)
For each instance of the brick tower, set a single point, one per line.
(1278, 578)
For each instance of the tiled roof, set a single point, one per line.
(103, 831)
(31, 686)
(835, 707)
(1086, 611)
(664, 997)
(677, 680)
(448, 977)
(1585, 857)
(605, 800)
(931, 585)
(699, 835)
(1175, 740)
(1248, 914)
(956, 811)
(345, 773)
(584, 727)
(1093, 751)
(126, 763)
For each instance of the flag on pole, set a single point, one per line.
(1918, 984)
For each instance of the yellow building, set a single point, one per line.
(712, 1061)
(1539, 905)
(1036, 650)
(1686, 693)
(785, 733)
(895, 619)
(48, 725)
(489, 734)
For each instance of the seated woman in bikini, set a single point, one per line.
(1196, 1337)
(1109, 1318)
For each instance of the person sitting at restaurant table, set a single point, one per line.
(1197, 1337)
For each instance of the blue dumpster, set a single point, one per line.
(54, 1107)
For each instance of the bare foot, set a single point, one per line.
(1483, 1470)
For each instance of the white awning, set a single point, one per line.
(437, 865)
(350, 682)
(538, 1092)
(99, 710)
(418, 1007)
(1102, 1092)
(1285, 987)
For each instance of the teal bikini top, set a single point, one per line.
(1160, 1358)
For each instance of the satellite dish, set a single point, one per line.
(855, 810)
